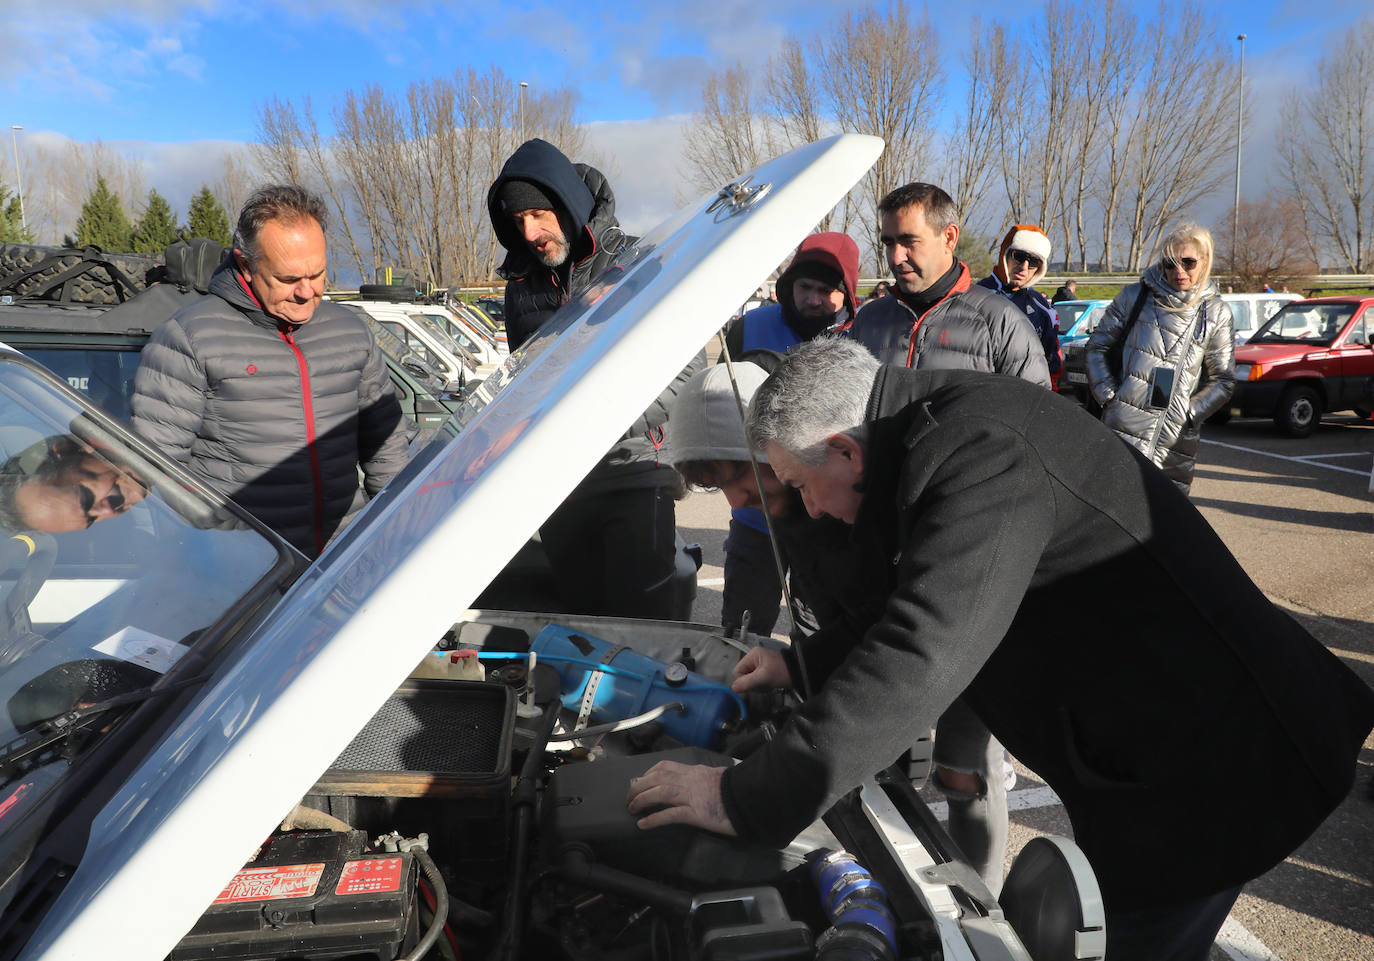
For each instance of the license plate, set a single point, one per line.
(1075, 377)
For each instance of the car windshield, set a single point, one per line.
(412, 360)
(1069, 315)
(1316, 324)
(114, 575)
(453, 329)
(445, 341)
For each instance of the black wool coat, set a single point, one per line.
(1096, 623)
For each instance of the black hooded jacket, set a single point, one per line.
(533, 291)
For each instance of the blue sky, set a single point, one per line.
(172, 82)
(198, 69)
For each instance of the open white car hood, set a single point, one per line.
(360, 619)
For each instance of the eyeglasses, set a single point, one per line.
(1021, 257)
(1188, 263)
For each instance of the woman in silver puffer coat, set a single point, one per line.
(1159, 377)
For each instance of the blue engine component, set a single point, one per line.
(862, 925)
(626, 684)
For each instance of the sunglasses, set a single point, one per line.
(1021, 257)
(1188, 263)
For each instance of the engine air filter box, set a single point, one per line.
(435, 759)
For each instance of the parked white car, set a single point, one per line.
(215, 749)
(456, 325)
(438, 349)
(1250, 311)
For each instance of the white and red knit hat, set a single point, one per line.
(1029, 239)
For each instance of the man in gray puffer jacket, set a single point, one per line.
(939, 319)
(267, 394)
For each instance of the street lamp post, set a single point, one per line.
(1240, 113)
(18, 182)
(523, 86)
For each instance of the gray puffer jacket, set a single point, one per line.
(970, 329)
(279, 418)
(1195, 339)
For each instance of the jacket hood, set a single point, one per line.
(1173, 299)
(834, 251)
(228, 285)
(582, 192)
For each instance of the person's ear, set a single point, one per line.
(849, 450)
(241, 262)
(951, 235)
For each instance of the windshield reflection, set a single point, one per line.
(113, 572)
(63, 484)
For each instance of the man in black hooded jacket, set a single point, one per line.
(612, 542)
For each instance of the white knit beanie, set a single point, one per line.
(1029, 239)
(705, 422)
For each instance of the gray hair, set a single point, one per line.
(288, 203)
(820, 388)
(937, 207)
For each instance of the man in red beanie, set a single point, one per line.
(1021, 264)
(816, 294)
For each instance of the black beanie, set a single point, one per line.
(518, 195)
(822, 273)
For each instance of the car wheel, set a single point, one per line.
(1300, 410)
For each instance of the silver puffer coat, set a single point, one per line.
(1196, 339)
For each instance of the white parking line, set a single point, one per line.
(1309, 460)
(710, 582)
(1023, 800)
(1240, 944)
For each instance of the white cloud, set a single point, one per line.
(643, 171)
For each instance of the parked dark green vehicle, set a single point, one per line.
(96, 350)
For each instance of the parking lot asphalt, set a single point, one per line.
(1299, 516)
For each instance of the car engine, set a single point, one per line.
(481, 814)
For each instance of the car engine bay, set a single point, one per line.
(482, 814)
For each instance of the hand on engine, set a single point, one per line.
(682, 794)
(762, 667)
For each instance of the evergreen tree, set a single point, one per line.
(207, 219)
(103, 221)
(12, 229)
(156, 228)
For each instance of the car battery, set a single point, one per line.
(314, 896)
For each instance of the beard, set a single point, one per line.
(555, 253)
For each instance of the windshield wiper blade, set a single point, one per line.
(61, 726)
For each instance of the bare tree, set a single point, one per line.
(727, 136)
(974, 141)
(1124, 52)
(1328, 152)
(881, 75)
(1183, 132)
(57, 183)
(236, 181)
(1270, 243)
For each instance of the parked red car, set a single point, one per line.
(1312, 357)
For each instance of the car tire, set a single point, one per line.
(1299, 411)
(1364, 410)
(393, 293)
